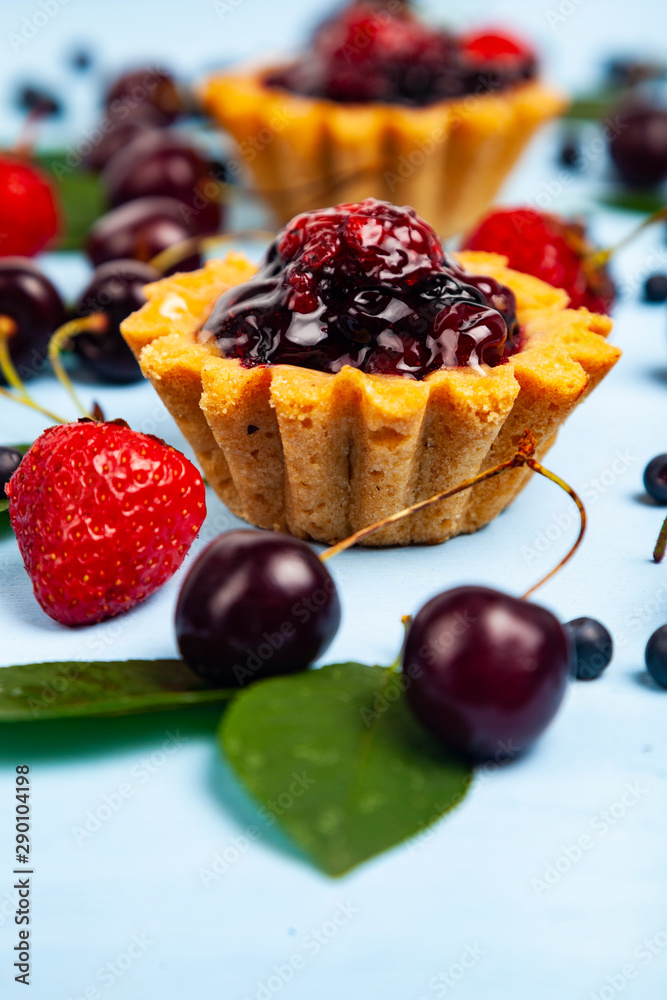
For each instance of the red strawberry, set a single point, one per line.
(492, 46)
(29, 217)
(103, 516)
(550, 247)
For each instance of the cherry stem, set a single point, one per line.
(8, 329)
(174, 254)
(61, 340)
(661, 544)
(537, 467)
(598, 258)
(27, 139)
(522, 457)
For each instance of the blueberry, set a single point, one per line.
(656, 656)
(655, 288)
(570, 155)
(655, 478)
(593, 648)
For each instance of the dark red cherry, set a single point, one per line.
(10, 459)
(116, 289)
(639, 145)
(140, 230)
(166, 164)
(118, 127)
(253, 605)
(34, 309)
(486, 672)
(147, 85)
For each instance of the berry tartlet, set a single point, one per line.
(382, 105)
(360, 369)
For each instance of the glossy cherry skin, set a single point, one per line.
(116, 289)
(166, 164)
(639, 147)
(146, 86)
(255, 604)
(140, 230)
(486, 672)
(118, 127)
(10, 459)
(29, 299)
(593, 648)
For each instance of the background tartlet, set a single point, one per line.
(381, 104)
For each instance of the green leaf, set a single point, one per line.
(335, 757)
(73, 690)
(81, 196)
(636, 200)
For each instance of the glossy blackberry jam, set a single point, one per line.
(366, 285)
(373, 52)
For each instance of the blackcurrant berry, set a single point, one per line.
(37, 99)
(166, 164)
(655, 288)
(140, 230)
(656, 656)
(116, 289)
(655, 478)
(593, 648)
(570, 155)
(10, 459)
(485, 672)
(33, 309)
(253, 605)
(80, 59)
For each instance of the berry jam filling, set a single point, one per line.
(366, 285)
(367, 53)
